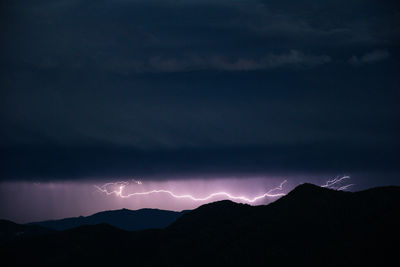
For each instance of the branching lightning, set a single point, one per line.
(335, 183)
(109, 189)
(344, 187)
(118, 189)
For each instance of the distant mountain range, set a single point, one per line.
(310, 226)
(10, 230)
(129, 220)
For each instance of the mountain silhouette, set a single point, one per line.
(310, 226)
(10, 230)
(130, 220)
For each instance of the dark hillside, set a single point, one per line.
(311, 226)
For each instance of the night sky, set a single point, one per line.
(192, 96)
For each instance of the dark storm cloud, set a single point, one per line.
(372, 57)
(292, 58)
(134, 34)
(61, 163)
(95, 88)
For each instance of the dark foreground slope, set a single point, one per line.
(12, 231)
(311, 226)
(130, 220)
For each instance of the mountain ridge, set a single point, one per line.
(125, 219)
(322, 228)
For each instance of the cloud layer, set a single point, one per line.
(91, 88)
(372, 57)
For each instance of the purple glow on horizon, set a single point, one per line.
(118, 189)
(29, 201)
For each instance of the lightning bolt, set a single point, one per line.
(272, 193)
(333, 184)
(344, 187)
(118, 189)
